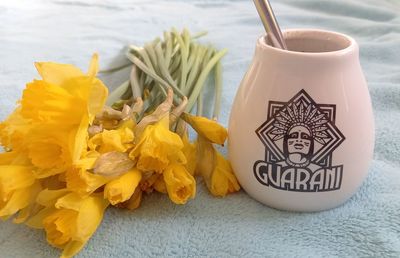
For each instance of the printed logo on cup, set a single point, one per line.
(299, 138)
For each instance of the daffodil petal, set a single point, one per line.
(207, 128)
(223, 181)
(79, 139)
(121, 189)
(94, 65)
(48, 198)
(179, 183)
(97, 97)
(84, 182)
(36, 221)
(19, 200)
(71, 201)
(71, 249)
(57, 73)
(90, 216)
(190, 152)
(24, 213)
(7, 158)
(60, 227)
(14, 177)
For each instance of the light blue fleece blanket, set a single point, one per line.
(237, 226)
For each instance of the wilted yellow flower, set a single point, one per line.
(157, 147)
(120, 139)
(215, 169)
(80, 180)
(65, 101)
(180, 185)
(18, 189)
(134, 201)
(159, 185)
(223, 181)
(69, 219)
(148, 181)
(121, 189)
(207, 128)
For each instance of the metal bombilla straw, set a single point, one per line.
(271, 26)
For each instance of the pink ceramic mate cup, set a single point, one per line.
(301, 130)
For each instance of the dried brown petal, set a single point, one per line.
(177, 111)
(95, 129)
(161, 111)
(113, 164)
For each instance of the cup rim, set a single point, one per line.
(340, 52)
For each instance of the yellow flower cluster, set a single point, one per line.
(68, 156)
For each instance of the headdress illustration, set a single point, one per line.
(301, 114)
(300, 121)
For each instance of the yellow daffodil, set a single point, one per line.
(48, 151)
(13, 131)
(223, 181)
(18, 188)
(134, 201)
(121, 189)
(180, 184)
(64, 95)
(157, 147)
(120, 140)
(69, 219)
(207, 128)
(66, 101)
(159, 185)
(80, 180)
(215, 169)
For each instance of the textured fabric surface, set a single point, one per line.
(368, 225)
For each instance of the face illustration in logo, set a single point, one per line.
(298, 145)
(299, 138)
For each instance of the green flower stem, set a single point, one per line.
(184, 57)
(203, 76)
(163, 66)
(115, 69)
(150, 51)
(116, 94)
(194, 50)
(174, 66)
(168, 48)
(208, 56)
(176, 61)
(186, 36)
(162, 84)
(134, 82)
(148, 71)
(146, 59)
(128, 94)
(218, 90)
(142, 53)
(195, 71)
(199, 34)
(199, 109)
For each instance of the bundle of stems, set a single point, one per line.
(177, 61)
